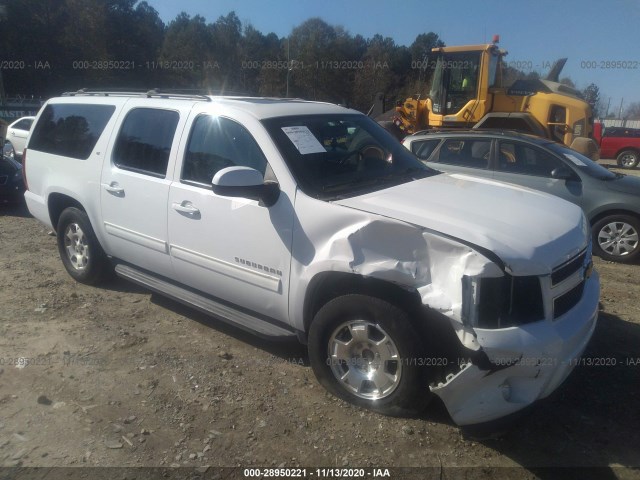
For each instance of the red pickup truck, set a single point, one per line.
(620, 143)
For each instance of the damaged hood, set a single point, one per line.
(532, 232)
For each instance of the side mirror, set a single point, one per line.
(245, 182)
(562, 173)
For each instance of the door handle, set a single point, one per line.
(185, 207)
(114, 188)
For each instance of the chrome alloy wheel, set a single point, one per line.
(628, 160)
(76, 246)
(364, 359)
(618, 238)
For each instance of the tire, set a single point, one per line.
(615, 238)
(628, 159)
(81, 253)
(358, 322)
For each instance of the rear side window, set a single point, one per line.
(144, 141)
(70, 130)
(467, 152)
(24, 124)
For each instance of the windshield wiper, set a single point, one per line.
(413, 173)
(615, 177)
(337, 186)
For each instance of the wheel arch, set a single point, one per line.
(57, 203)
(326, 286)
(612, 211)
(634, 149)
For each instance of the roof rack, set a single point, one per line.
(153, 93)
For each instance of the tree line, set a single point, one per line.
(52, 46)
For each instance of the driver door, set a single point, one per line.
(233, 249)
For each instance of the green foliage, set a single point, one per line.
(591, 95)
(117, 44)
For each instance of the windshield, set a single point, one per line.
(455, 81)
(342, 155)
(585, 164)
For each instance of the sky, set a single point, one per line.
(600, 38)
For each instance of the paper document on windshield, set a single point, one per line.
(575, 160)
(304, 140)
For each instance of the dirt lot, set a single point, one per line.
(116, 376)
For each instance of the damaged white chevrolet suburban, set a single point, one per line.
(287, 217)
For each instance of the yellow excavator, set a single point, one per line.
(467, 91)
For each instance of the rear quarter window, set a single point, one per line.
(70, 130)
(424, 148)
(23, 124)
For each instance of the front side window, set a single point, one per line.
(71, 130)
(465, 152)
(582, 163)
(342, 155)
(144, 142)
(216, 143)
(516, 157)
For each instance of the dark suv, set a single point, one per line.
(610, 200)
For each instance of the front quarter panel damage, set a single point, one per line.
(478, 388)
(346, 240)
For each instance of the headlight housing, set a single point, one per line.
(501, 302)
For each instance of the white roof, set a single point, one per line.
(263, 107)
(258, 107)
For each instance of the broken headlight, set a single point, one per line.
(501, 302)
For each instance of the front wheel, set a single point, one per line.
(616, 238)
(80, 251)
(365, 351)
(628, 159)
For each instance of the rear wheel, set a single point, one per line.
(80, 251)
(365, 351)
(616, 238)
(628, 159)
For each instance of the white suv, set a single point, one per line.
(288, 217)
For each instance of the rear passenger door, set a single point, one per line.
(135, 188)
(234, 249)
(471, 156)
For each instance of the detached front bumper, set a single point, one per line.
(530, 360)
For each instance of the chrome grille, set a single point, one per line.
(567, 282)
(567, 301)
(568, 268)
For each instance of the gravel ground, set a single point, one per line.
(117, 376)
